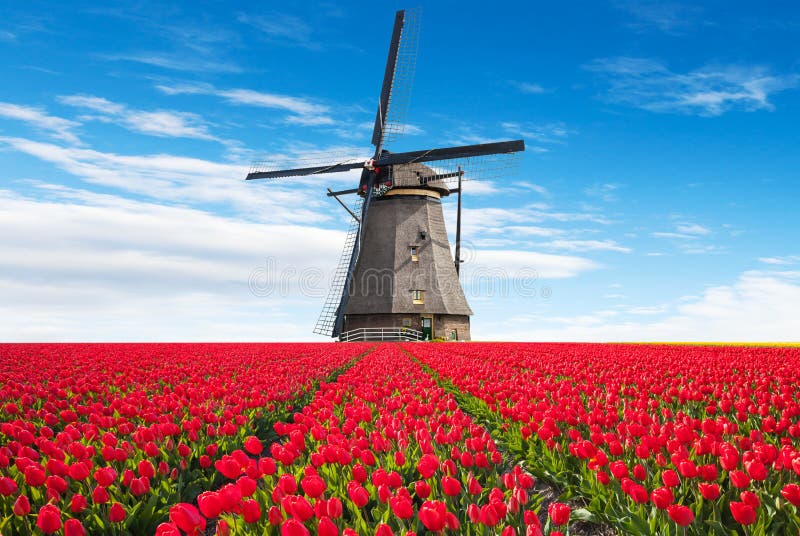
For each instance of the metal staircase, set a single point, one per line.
(327, 318)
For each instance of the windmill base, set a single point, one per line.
(433, 326)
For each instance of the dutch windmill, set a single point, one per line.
(397, 273)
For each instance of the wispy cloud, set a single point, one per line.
(538, 188)
(179, 179)
(281, 28)
(708, 91)
(528, 88)
(783, 261)
(162, 123)
(7, 36)
(555, 132)
(604, 191)
(56, 127)
(176, 62)
(670, 18)
(689, 238)
(684, 231)
(303, 111)
(586, 245)
(692, 229)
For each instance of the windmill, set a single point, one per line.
(396, 274)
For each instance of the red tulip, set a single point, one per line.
(662, 497)
(428, 465)
(334, 508)
(167, 529)
(253, 445)
(73, 527)
(559, 513)
(292, 527)
(384, 530)
(326, 527)
(251, 511)
(313, 486)
(49, 519)
(357, 494)
(100, 495)
(187, 518)
(8, 486)
(209, 504)
(34, 476)
(105, 476)
(22, 506)
(680, 514)
(274, 516)
(709, 492)
(670, 478)
(433, 515)
(401, 507)
(740, 479)
(743, 513)
(748, 497)
(117, 513)
(791, 492)
(450, 486)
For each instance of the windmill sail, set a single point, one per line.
(398, 79)
(327, 318)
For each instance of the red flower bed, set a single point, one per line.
(107, 437)
(654, 438)
(253, 439)
(383, 450)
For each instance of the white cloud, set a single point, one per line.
(759, 306)
(176, 62)
(7, 36)
(708, 91)
(686, 236)
(527, 87)
(555, 132)
(281, 28)
(179, 179)
(586, 245)
(787, 260)
(56, 127)
(100, 267)
(671, 18)
(515, 264)
(162, 123)
(605, 191)
(538, 188)
(692, 229)
(303, 111)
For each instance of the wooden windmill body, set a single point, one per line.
(397, 278)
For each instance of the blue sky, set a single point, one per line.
(656, 201)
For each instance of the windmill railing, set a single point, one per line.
(381, 334)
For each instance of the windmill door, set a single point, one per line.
(427, 328)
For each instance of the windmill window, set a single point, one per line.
(418, 296)
(414, 253)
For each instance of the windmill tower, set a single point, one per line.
(396, 276)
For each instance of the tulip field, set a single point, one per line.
(399, 439)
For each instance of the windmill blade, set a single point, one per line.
(326, 323)
(334, 161)
(298, 172)
(398, 79)
(449, 153)
(444, 174)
